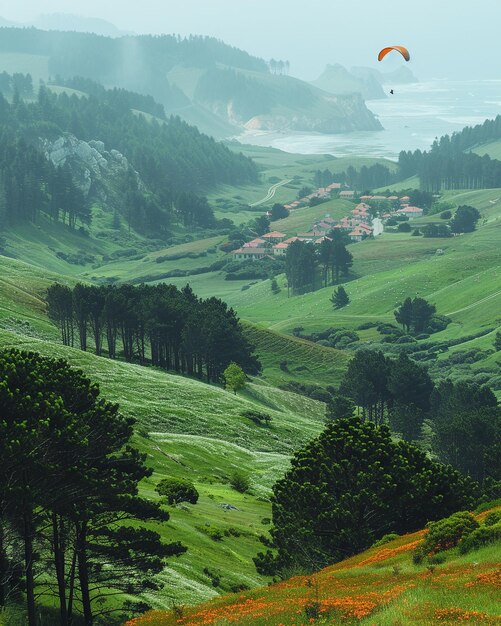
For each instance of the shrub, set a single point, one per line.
(446, 533)
(238, 587)
(385, 539)
(437, 559)
(312, 610)
(215, 577)
(480, 537)
(258, 418)
(215, 533)
(177, 490)
(493, 518)
(367, 325)
(404, 227)
(240, 482)
(284, 366)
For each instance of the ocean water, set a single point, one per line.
(412, 118)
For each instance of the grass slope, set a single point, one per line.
(187, 428)
(380, 586)
(492, 148)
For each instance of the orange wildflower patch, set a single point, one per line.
(362, 605)
(388, 553)
(488, 578)
(454, 615)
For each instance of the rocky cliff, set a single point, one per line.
(281, 103)
(338, 80)
(99, 173)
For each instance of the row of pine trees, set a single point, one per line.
(158, 325)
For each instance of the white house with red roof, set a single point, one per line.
(280, 249)
(243, 254)
(411, 212)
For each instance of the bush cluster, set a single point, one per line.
(177, 490)
(445, 534)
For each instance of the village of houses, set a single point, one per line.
(359, 225)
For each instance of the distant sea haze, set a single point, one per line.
(412, 118)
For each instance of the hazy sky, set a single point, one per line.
(445, 37)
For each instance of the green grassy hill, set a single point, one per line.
(463, 282)
(185, 426)
(379, 586)
(492, 148)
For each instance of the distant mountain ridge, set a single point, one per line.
(217, 87)
(70, 22)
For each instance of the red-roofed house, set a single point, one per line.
(334, 186)
(365, 197)
(292, 239)
(250, 253)
(255, 243)
(405, 198)
(356, 234)
(279, 249)
(274, 237)
(411, 211)
(322, 239)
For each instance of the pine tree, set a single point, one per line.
(340, 298)
(351, 485)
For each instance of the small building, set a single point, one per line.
(280, 249)
(320, 240)
(405, 199)
(292, 240)
(255, 243)
(347, 194)
(274, 237)
(243, 254)
(356, 234)
(411, 212)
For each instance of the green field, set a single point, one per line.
(36, 65)
(184, 426)
(492, 148)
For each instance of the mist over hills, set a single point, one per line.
(217, 87)
(70, 22)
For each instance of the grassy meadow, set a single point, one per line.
(380, 586)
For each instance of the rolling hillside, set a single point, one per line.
(380, 586)
(183, 425)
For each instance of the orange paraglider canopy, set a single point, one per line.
(403, 51)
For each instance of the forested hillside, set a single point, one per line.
(44, 171)
(205, 81)
(450, 163)
(137, 63)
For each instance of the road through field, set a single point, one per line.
(271, 192)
